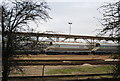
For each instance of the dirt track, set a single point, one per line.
(62, 57)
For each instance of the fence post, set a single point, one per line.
(43, 70)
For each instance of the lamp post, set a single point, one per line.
(70, 27)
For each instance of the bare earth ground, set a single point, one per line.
(62, 57)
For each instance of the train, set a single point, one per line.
(81, 48)
(68, 48)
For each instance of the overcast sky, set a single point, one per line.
(81, 13)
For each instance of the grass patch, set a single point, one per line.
(19, 73)
(82, 70)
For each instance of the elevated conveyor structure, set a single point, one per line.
(66, 36)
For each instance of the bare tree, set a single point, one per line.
(111, 24)
(111, 19)
(15, 16)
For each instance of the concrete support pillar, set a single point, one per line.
(57, 39)
(75, 39)
(37, 38)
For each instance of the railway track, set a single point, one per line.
(62, 60)
(85, 77)
(53, 60)
(65, 63)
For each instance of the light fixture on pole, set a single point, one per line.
(70, 27)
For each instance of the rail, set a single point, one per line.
(66, 77)
(62, 62)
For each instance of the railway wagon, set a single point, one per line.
(81, 48)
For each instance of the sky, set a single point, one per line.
(82, 14)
